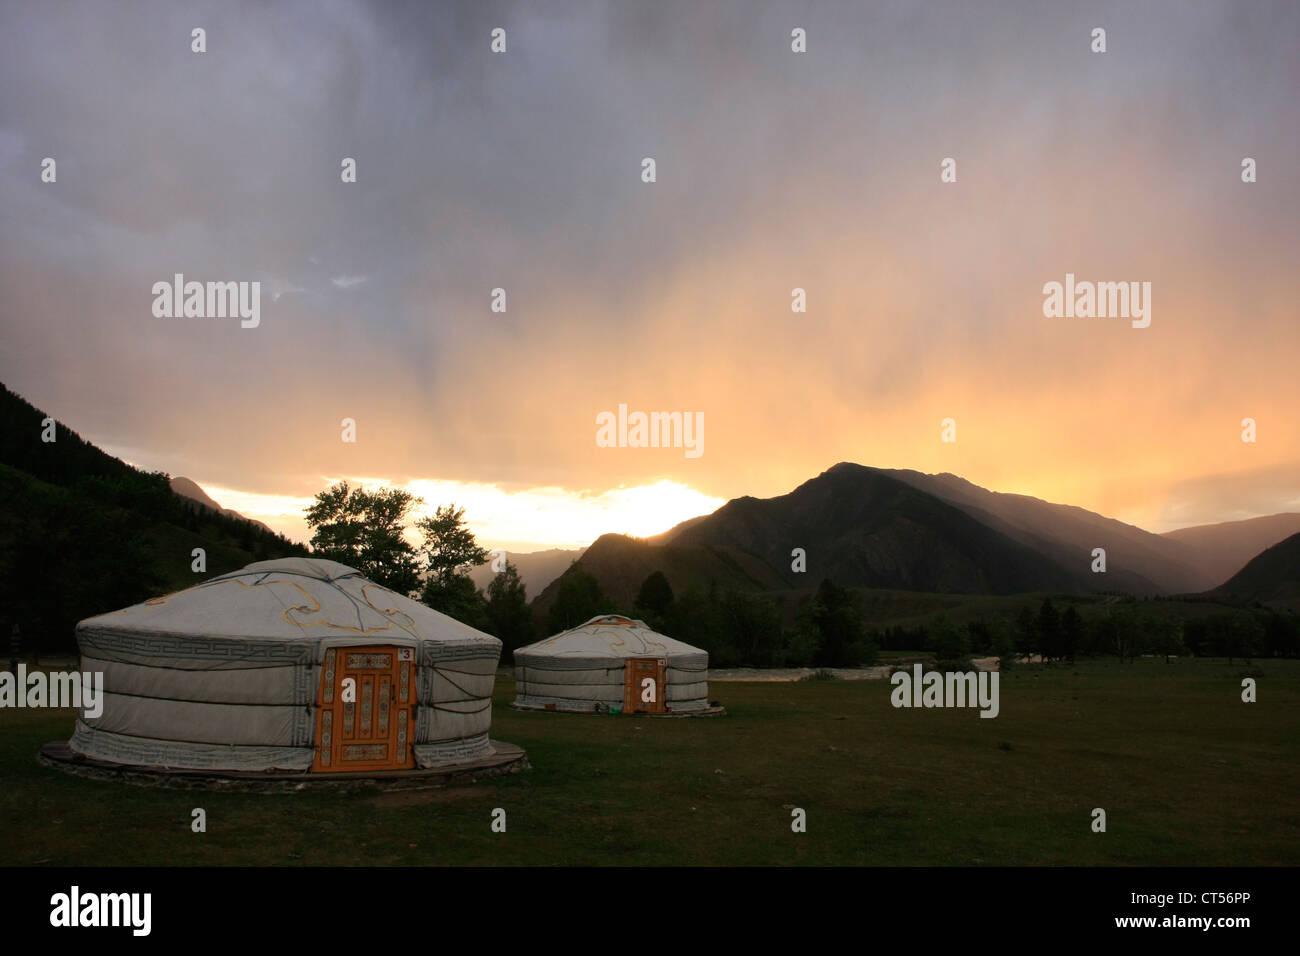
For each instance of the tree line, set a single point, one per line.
(737, 628)
(1127, 630)
(830, 628)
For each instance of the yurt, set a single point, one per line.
(291, 665)
(612, 664)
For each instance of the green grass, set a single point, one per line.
(1186, 772)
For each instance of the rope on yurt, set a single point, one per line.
(331, 582)
(463, 690)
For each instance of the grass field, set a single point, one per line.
(1187, 773)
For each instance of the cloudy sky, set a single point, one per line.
(775, 170)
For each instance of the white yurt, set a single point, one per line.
(290, 665)
(612, 663)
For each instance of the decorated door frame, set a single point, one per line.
(636, 670)
(369, 724)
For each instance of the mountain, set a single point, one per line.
(857, 526)
(1219, 550)
(187, 488)
(864, 528)
(621, 563)
(82, 532)
(1137, 561)
(1272, 577)
(899, 529)
(536, 569)
(190, 489)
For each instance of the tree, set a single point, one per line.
(456, 597)
(753, 626)
(1049, 631)
(1026, 632)
(656, 594)
(696, 617)
(449, 549)
(1236, 634)
(951, 647)
(801, 644)
(980, 634)
(841, 638)
(363, 529)
(507, 612)
(1004, 643)
(1281, 634)
(1130, 639)
(578, 599)
(1071, 632)
(1167, 637)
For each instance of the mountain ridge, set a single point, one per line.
(976, 539)
(1272, 577)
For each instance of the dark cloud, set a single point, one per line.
(522, 171)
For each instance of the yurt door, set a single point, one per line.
(643, 686)
(366, 717)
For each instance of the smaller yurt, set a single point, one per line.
(612, 664)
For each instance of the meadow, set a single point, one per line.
(1187, 773)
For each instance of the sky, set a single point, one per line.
(775, 170)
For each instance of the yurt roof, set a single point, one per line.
(608, 635)
(291, 599)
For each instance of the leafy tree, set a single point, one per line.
(449, 549)
(1026, 632)
(801, 645)
(1236, 634)
(457, 598)
(696, 618)
(1167, 637)
(841, 638)
(1196, 637)
(980, 634)
(1071, 632)
(656, 594)
(1050, 641)
(363, 529)
(1003, 642)
(508, 615)
(752, 625)
(1130, 637)
(951, 647)
(1281, 634)
(578, 599)
(832, 613)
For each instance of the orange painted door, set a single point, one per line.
(366, 717)
(644, 677)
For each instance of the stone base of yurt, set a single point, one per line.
(504, 758)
